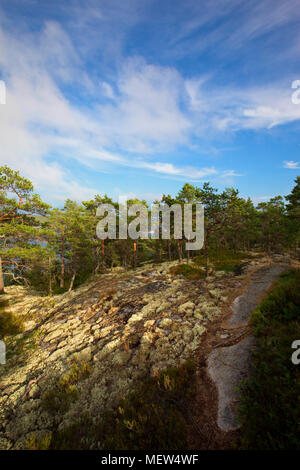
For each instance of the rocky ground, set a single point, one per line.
(124, 324)
(229, 365)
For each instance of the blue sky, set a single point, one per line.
(137, 97)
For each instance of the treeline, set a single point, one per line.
(56, 249)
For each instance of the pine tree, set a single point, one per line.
(21, 226)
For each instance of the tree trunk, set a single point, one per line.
(157, 251)
(179, 251)
(169, 250)
(103, 256)
(206, 257)
(1, 278)
(134, 254)
(50, 278)
(72, 282)
(188, 253)
(269, 244)
(97, 262)
(62, 261)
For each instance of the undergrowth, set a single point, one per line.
(151, 417)
(10, 324)
(270, 408)
(190, 271)
(64, 391)
(225, 260)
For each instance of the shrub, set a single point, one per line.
(270, 411)
(64, 391)
(190, 271)
(35, 443)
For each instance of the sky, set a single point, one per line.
(134, 98)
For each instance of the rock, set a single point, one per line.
(29, 325)
(104, 331)
(176, 318)
(85, 354)
(246, 303)
(228, 367)
(53, 335)
(34, 391)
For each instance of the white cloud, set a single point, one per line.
(186, 172)
(40, 127)
(291, 165)
(231, 108)
(147, 115)
(108, 90)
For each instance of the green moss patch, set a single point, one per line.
(190, 271)
(10, 324)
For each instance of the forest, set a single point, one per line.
(56, 249)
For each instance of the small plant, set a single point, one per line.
(64, 391)
(35, 443)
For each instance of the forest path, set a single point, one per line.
(228, 365)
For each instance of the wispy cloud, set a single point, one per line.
(186, 172)
(291, 165)
(125, 110)
(144, 114)
(232, 108)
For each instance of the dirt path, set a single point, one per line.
(226, 362)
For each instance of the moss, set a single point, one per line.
(190, 271)
(225, 260)
(18, 347)
(10, 324)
